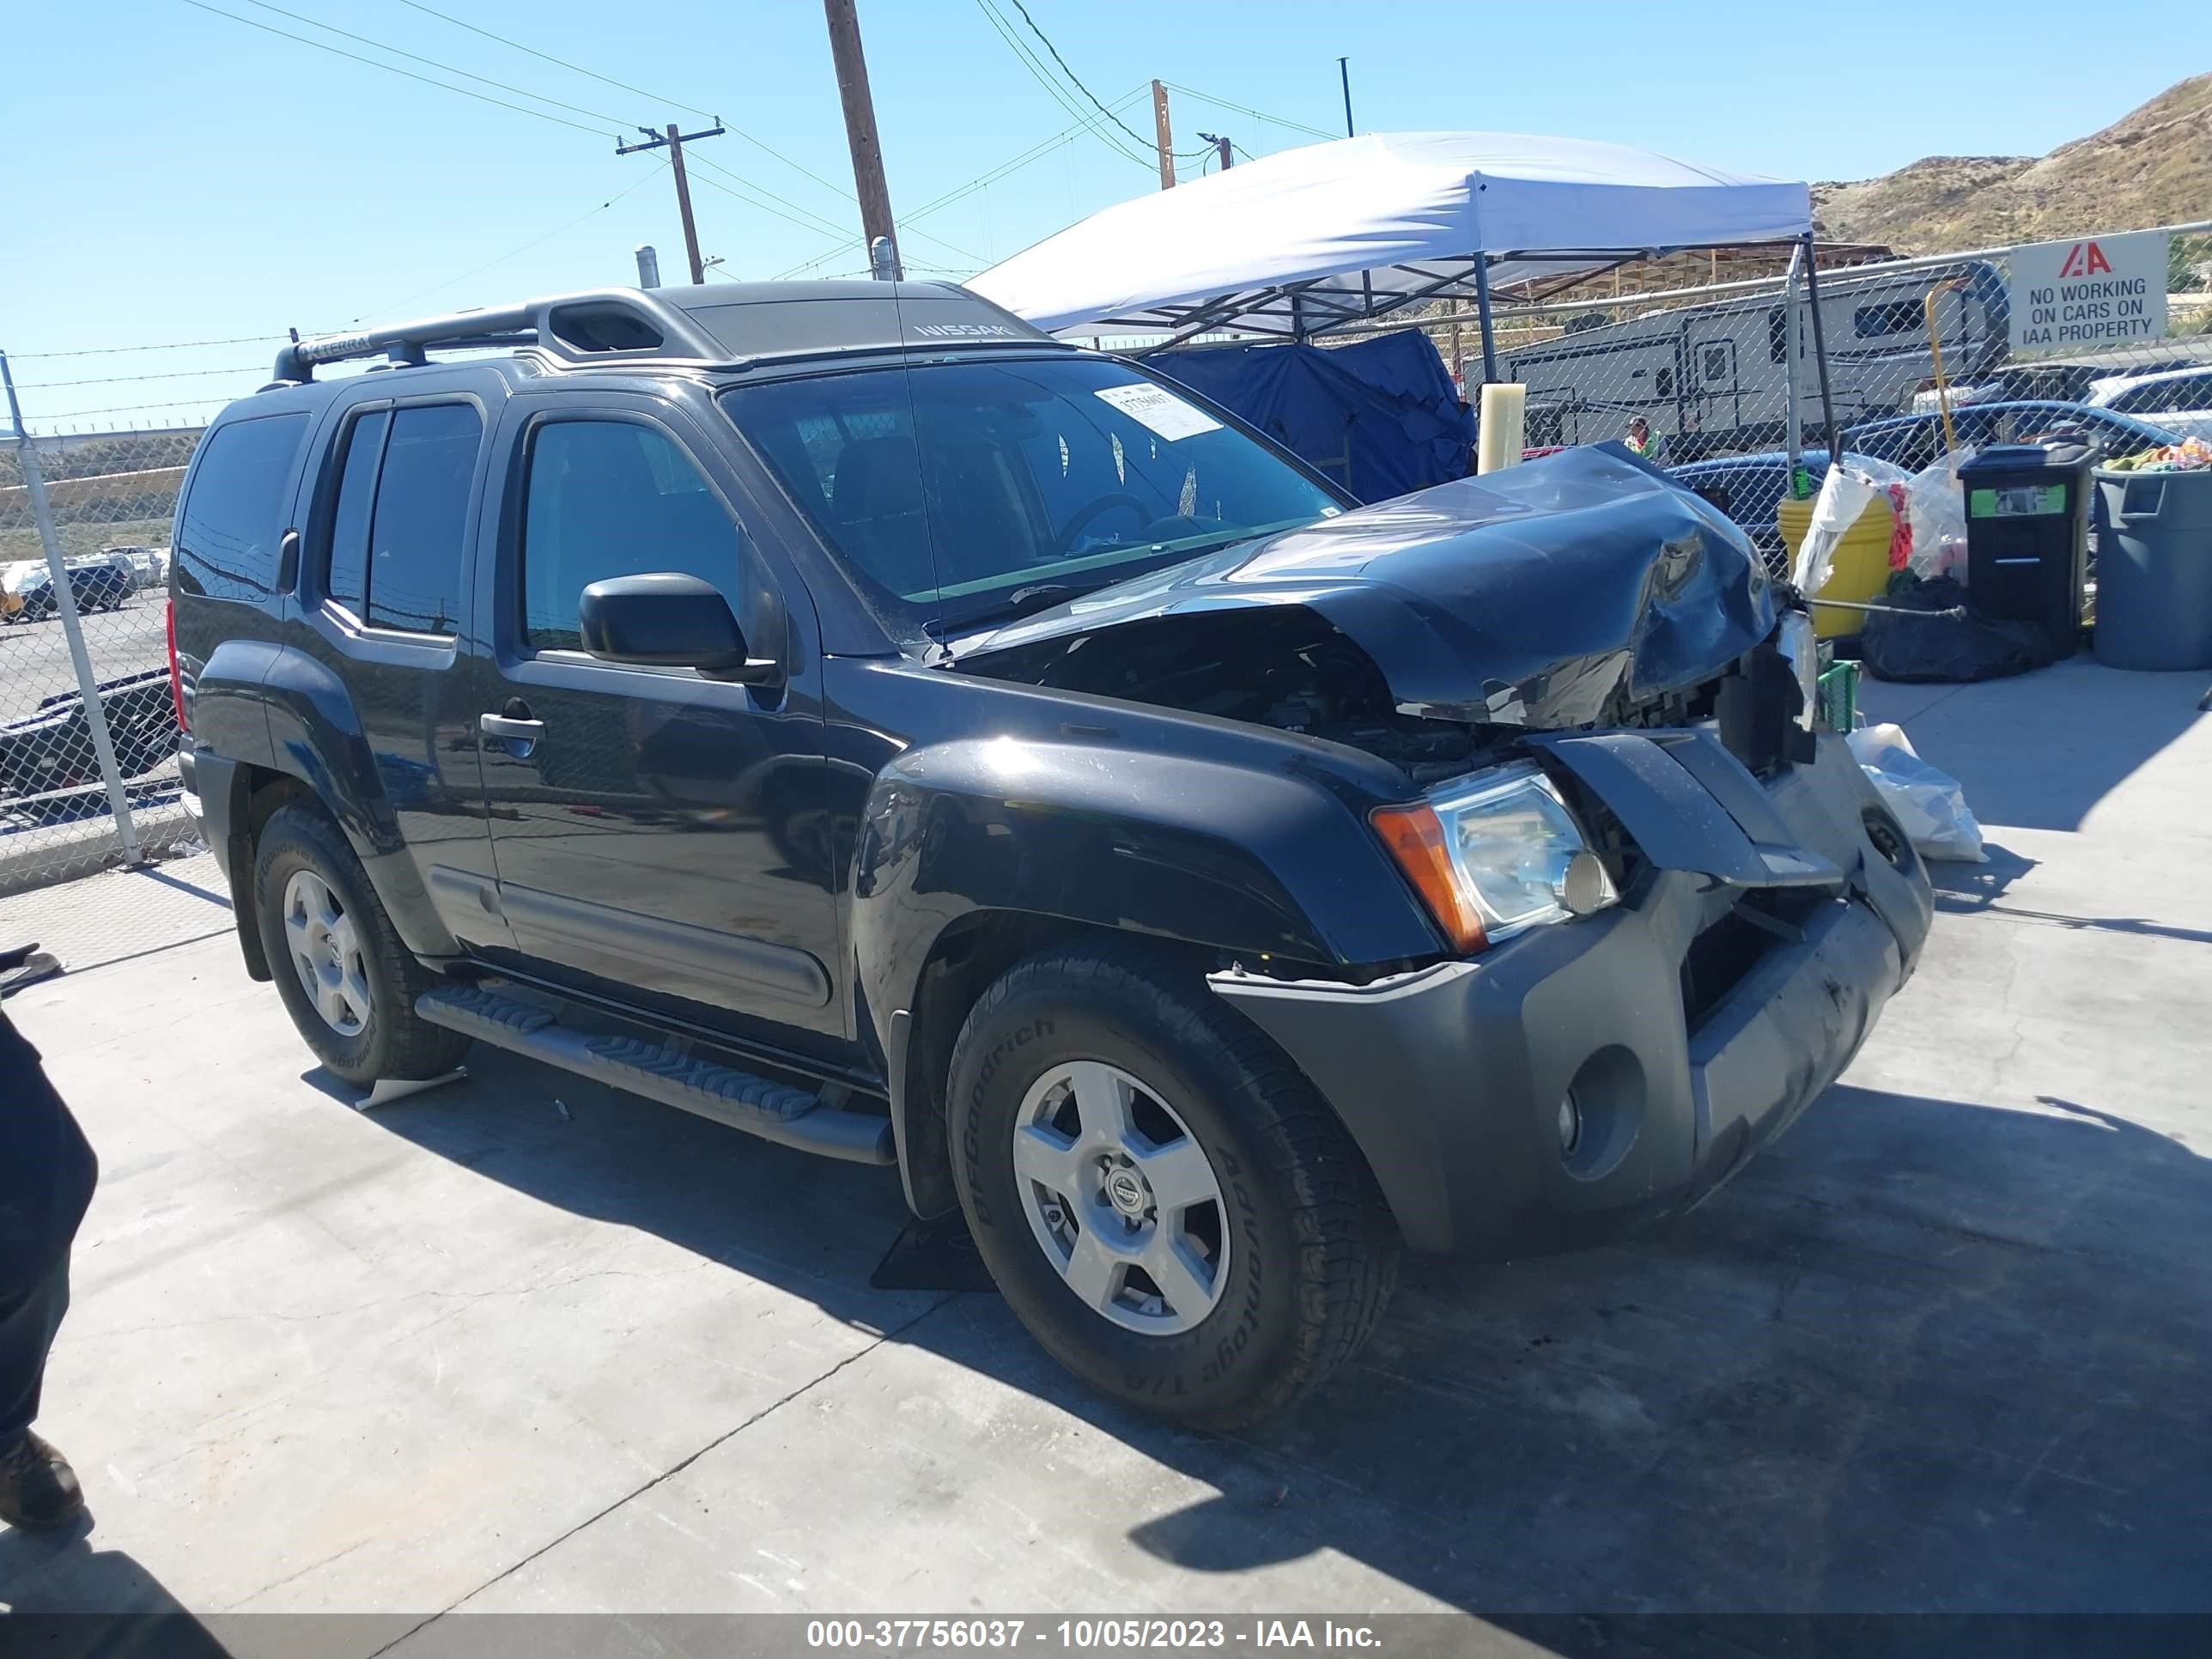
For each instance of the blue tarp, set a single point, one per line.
(1382, 418)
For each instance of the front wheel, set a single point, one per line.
(1164, 1198)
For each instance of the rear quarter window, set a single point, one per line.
(234, 513)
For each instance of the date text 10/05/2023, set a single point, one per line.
(1085, 1635)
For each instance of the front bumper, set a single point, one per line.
(1451, 1078)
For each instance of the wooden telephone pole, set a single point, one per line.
(1163, 136)
(860, 132)
(673, 143)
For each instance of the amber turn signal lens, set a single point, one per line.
(1416, 840)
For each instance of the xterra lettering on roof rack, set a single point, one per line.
(728, 324)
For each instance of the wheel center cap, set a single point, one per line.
(1127, 1192)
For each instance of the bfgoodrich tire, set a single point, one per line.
(323, 928)
(1164, 1198)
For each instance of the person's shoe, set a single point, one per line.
(37, 1488)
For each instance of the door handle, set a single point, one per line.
(506, 726)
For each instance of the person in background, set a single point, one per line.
(1640, 440)
(46, 1177)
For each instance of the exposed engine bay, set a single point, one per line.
(1289, 667)
(1284, 666)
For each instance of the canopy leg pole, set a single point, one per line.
(1793, 423)
(1820, 352)
(1483, 319)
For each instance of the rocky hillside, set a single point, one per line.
(2152, 167)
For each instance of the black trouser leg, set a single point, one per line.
(46, 1177)
(28, 1320)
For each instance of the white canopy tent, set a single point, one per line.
(1305, 240)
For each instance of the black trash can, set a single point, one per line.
(2027, 535)
(2155, 569)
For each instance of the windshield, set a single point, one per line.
(971, 492)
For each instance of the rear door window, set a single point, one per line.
(420, 522)
(398, 529)
(347, 579)
(234, 515)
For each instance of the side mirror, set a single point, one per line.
(666, 620)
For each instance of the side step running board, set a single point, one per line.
(774, 1111)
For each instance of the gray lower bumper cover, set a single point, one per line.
(1451, 1078)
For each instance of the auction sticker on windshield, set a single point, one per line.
(1160, 410)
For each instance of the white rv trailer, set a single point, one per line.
(1712, 379)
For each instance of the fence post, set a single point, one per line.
(96, 717)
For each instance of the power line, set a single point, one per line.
(1035, 152)
(1256, 114)
(638, 183)
(398, 52)
(563, 63)
(1043, 78)
(123, 409)
(1013, 164)
(134, 380)
(1071, 75)
(393, 68)
(166, 345)
(818, 221)
(675, 103)
(803, 224)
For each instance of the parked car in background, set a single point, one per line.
(1751, 488)
(2020, 382)
(49, 751)
(1915, 441)
(27, 592)
(137, 564)
(2178, 399)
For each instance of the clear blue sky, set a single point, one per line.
(178, 176)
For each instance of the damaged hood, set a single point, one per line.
(1543, 595)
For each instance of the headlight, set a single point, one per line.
(1496, 854)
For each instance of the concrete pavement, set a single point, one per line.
(523, 1344)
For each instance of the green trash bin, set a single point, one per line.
(2154, 569)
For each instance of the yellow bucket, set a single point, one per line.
(1861, 570)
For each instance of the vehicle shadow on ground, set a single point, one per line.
(1978, 889)
(1962, 889)
(47, 1580)
(2039, 751)
(1923, 1355)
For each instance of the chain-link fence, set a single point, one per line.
(1709, 357)
(87, 723)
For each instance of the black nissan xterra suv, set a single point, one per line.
(844, 712)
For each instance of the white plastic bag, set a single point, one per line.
(1935, 508)
(1846, 492)
(1929, 804)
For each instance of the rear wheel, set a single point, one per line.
(347, 980)
(1164, 1198)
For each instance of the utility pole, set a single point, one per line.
(1221, 148)
(673, 141)
(1344, 74)
(860, 137)
(1163, 136)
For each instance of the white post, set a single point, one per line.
(96, 717)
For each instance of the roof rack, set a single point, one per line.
(594, 325)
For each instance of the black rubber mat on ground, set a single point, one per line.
(933, 1256)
